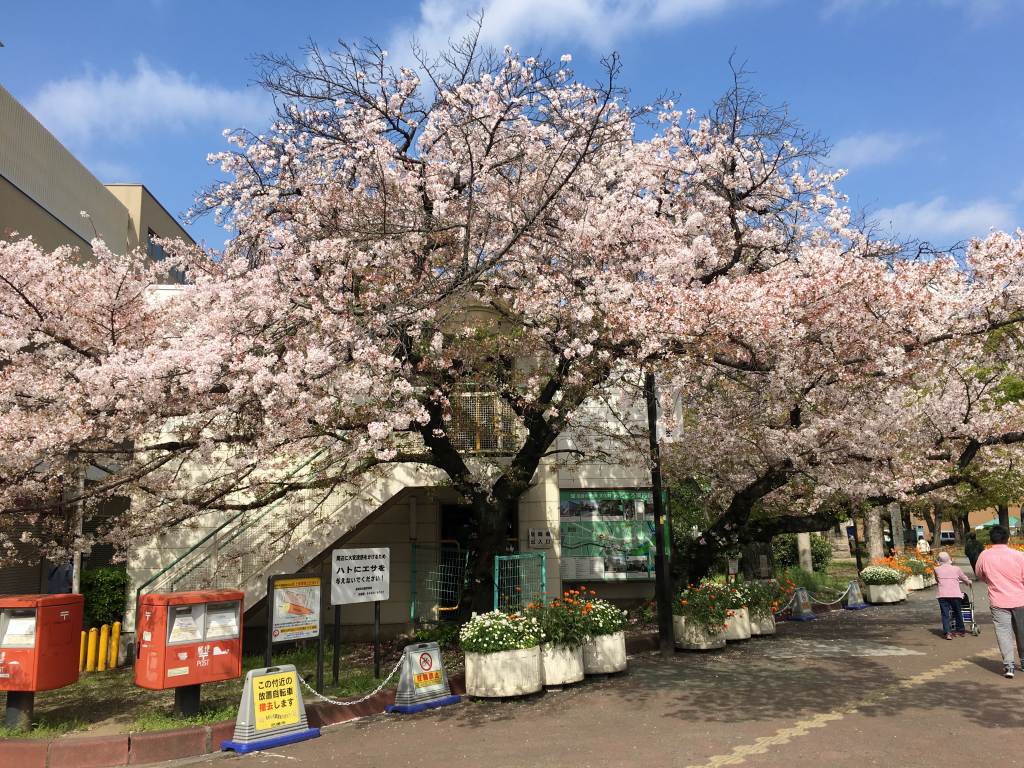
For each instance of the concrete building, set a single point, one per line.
(43, 191)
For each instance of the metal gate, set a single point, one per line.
(519, 580)
(438, 574)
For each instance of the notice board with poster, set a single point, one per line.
(607, 534)
(296, 601)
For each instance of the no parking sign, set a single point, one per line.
(424, 683)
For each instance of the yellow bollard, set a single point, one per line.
(115, 643)
(90, 652)
(81, 653)
(101, 663)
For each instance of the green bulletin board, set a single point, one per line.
(607, 534)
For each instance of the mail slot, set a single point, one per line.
(39, 641)
(188, 638)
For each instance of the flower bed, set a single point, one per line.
(605, 650)
(502, 654)
(563, 626)
(884, 584)
(701, 612)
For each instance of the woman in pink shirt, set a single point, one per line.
(950, 577)
(1002, 569)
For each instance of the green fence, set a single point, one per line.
(519, 580)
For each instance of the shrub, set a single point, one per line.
(705, 605)
(881, 574)
(105, 591)
(445, 635)
(786, 555)
(496, 631)
(603, 618)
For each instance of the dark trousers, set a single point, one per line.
(950, 606)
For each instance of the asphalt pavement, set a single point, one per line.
(855, 688)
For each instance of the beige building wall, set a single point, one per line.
(36, 164)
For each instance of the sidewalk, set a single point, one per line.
(873, 687)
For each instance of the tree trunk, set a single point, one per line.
(803, 551)
(896, 521)
(492, 521)
(1003, 511)
(937, 527)
(873, 533)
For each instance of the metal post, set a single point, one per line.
(320, 645)
(662, 580)
(267, 653)
(18, 713)
(376, 639)
(856, 545)
(336, 662)
(186, 700)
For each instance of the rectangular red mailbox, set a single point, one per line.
(188, 638)
(40, 636)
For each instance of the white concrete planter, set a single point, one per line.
(737, 626)
(561, 665)
(605, 654)
(505, 673)
(930, 580)
(693, 637)
(765, 626)
(914, 583)
(877, 594)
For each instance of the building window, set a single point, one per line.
(157, 253)
(483, 423)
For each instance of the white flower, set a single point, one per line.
(566, 58)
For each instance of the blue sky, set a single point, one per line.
(920, 98)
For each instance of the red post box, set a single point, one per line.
(185, 639)
(40, 637)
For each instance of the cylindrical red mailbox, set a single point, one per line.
(40, 637)
(188, 638)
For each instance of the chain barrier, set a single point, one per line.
(784, 608)
(339, 702)
(834, 602)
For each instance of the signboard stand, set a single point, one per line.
(336, 662)
(854, 598)
(376, 639)
(424, 682)
(293, 613)
(360, 576)
(271, 712)
(802, 610)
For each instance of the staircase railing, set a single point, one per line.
(203, 565)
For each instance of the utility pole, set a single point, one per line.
(662, 580)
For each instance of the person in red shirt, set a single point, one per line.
(1002, 569)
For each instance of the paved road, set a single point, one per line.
(873, 687)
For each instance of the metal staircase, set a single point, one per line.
(281, 538)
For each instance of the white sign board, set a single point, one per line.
(541, 538)
(360, 575)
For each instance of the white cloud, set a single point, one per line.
(862, 149)
(125, 106)
(595, 23)
(939, 219)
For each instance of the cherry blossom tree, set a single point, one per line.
(75, 395)
(862, 380)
